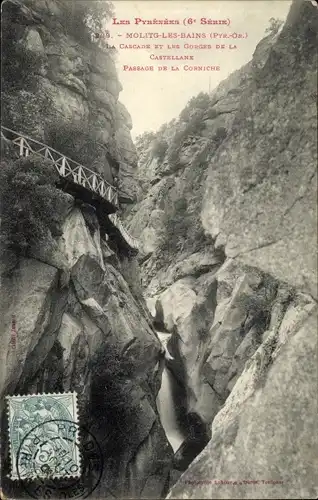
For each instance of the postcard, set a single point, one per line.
(158, 237)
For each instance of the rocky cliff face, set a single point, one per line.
(228, 222)
(61, 88)
(81, 328)
(225, 213)
(82, 324)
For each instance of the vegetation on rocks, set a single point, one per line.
(183, 231)
(274, 25)
(30, 203)
(259, 304)
(144, 140)
(85, 21)
(200, 101)
(159, 148)
(80, 19)
(21, 109)
(21, 67)
(75, 141)
(193, 127)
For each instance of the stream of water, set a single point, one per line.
(167, 406)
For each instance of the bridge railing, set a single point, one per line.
(69, 168)
(133, 242)
(65, 166)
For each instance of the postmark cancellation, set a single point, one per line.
(43, 435)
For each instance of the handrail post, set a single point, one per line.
(21, 146)
(62, 172)
(74, 176)
(84, 178)
(79, 175)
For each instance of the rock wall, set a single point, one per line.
(266, 188)
(82, 323)
(81, 328)
(128, 154)
(71, 101)
(227, 220)
(264, 442)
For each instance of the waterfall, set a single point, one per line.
(167, 406)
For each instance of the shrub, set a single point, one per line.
(23, 111)
(219, 136)
(143, 140)
(79, 143)
(183, 230)
(85, 21)
(30, 203)
(159, 148)
(274, 25)
(194, 127)
(201, 101)
(259, 305)
(20, 67)
(177, 225)
(73, 141)
(20, 82)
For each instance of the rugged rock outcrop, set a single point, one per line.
(66, 94)
(228, 224)
(265, 189)
(82, 323)
(80, 328)
(264, 442)
(219, 142)
(128, 154)
(225, 211)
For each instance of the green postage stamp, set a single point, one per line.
(43, 433)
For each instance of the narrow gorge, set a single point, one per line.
(170, 282)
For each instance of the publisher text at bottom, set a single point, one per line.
(234, 482)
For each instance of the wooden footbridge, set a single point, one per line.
(77, 179)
